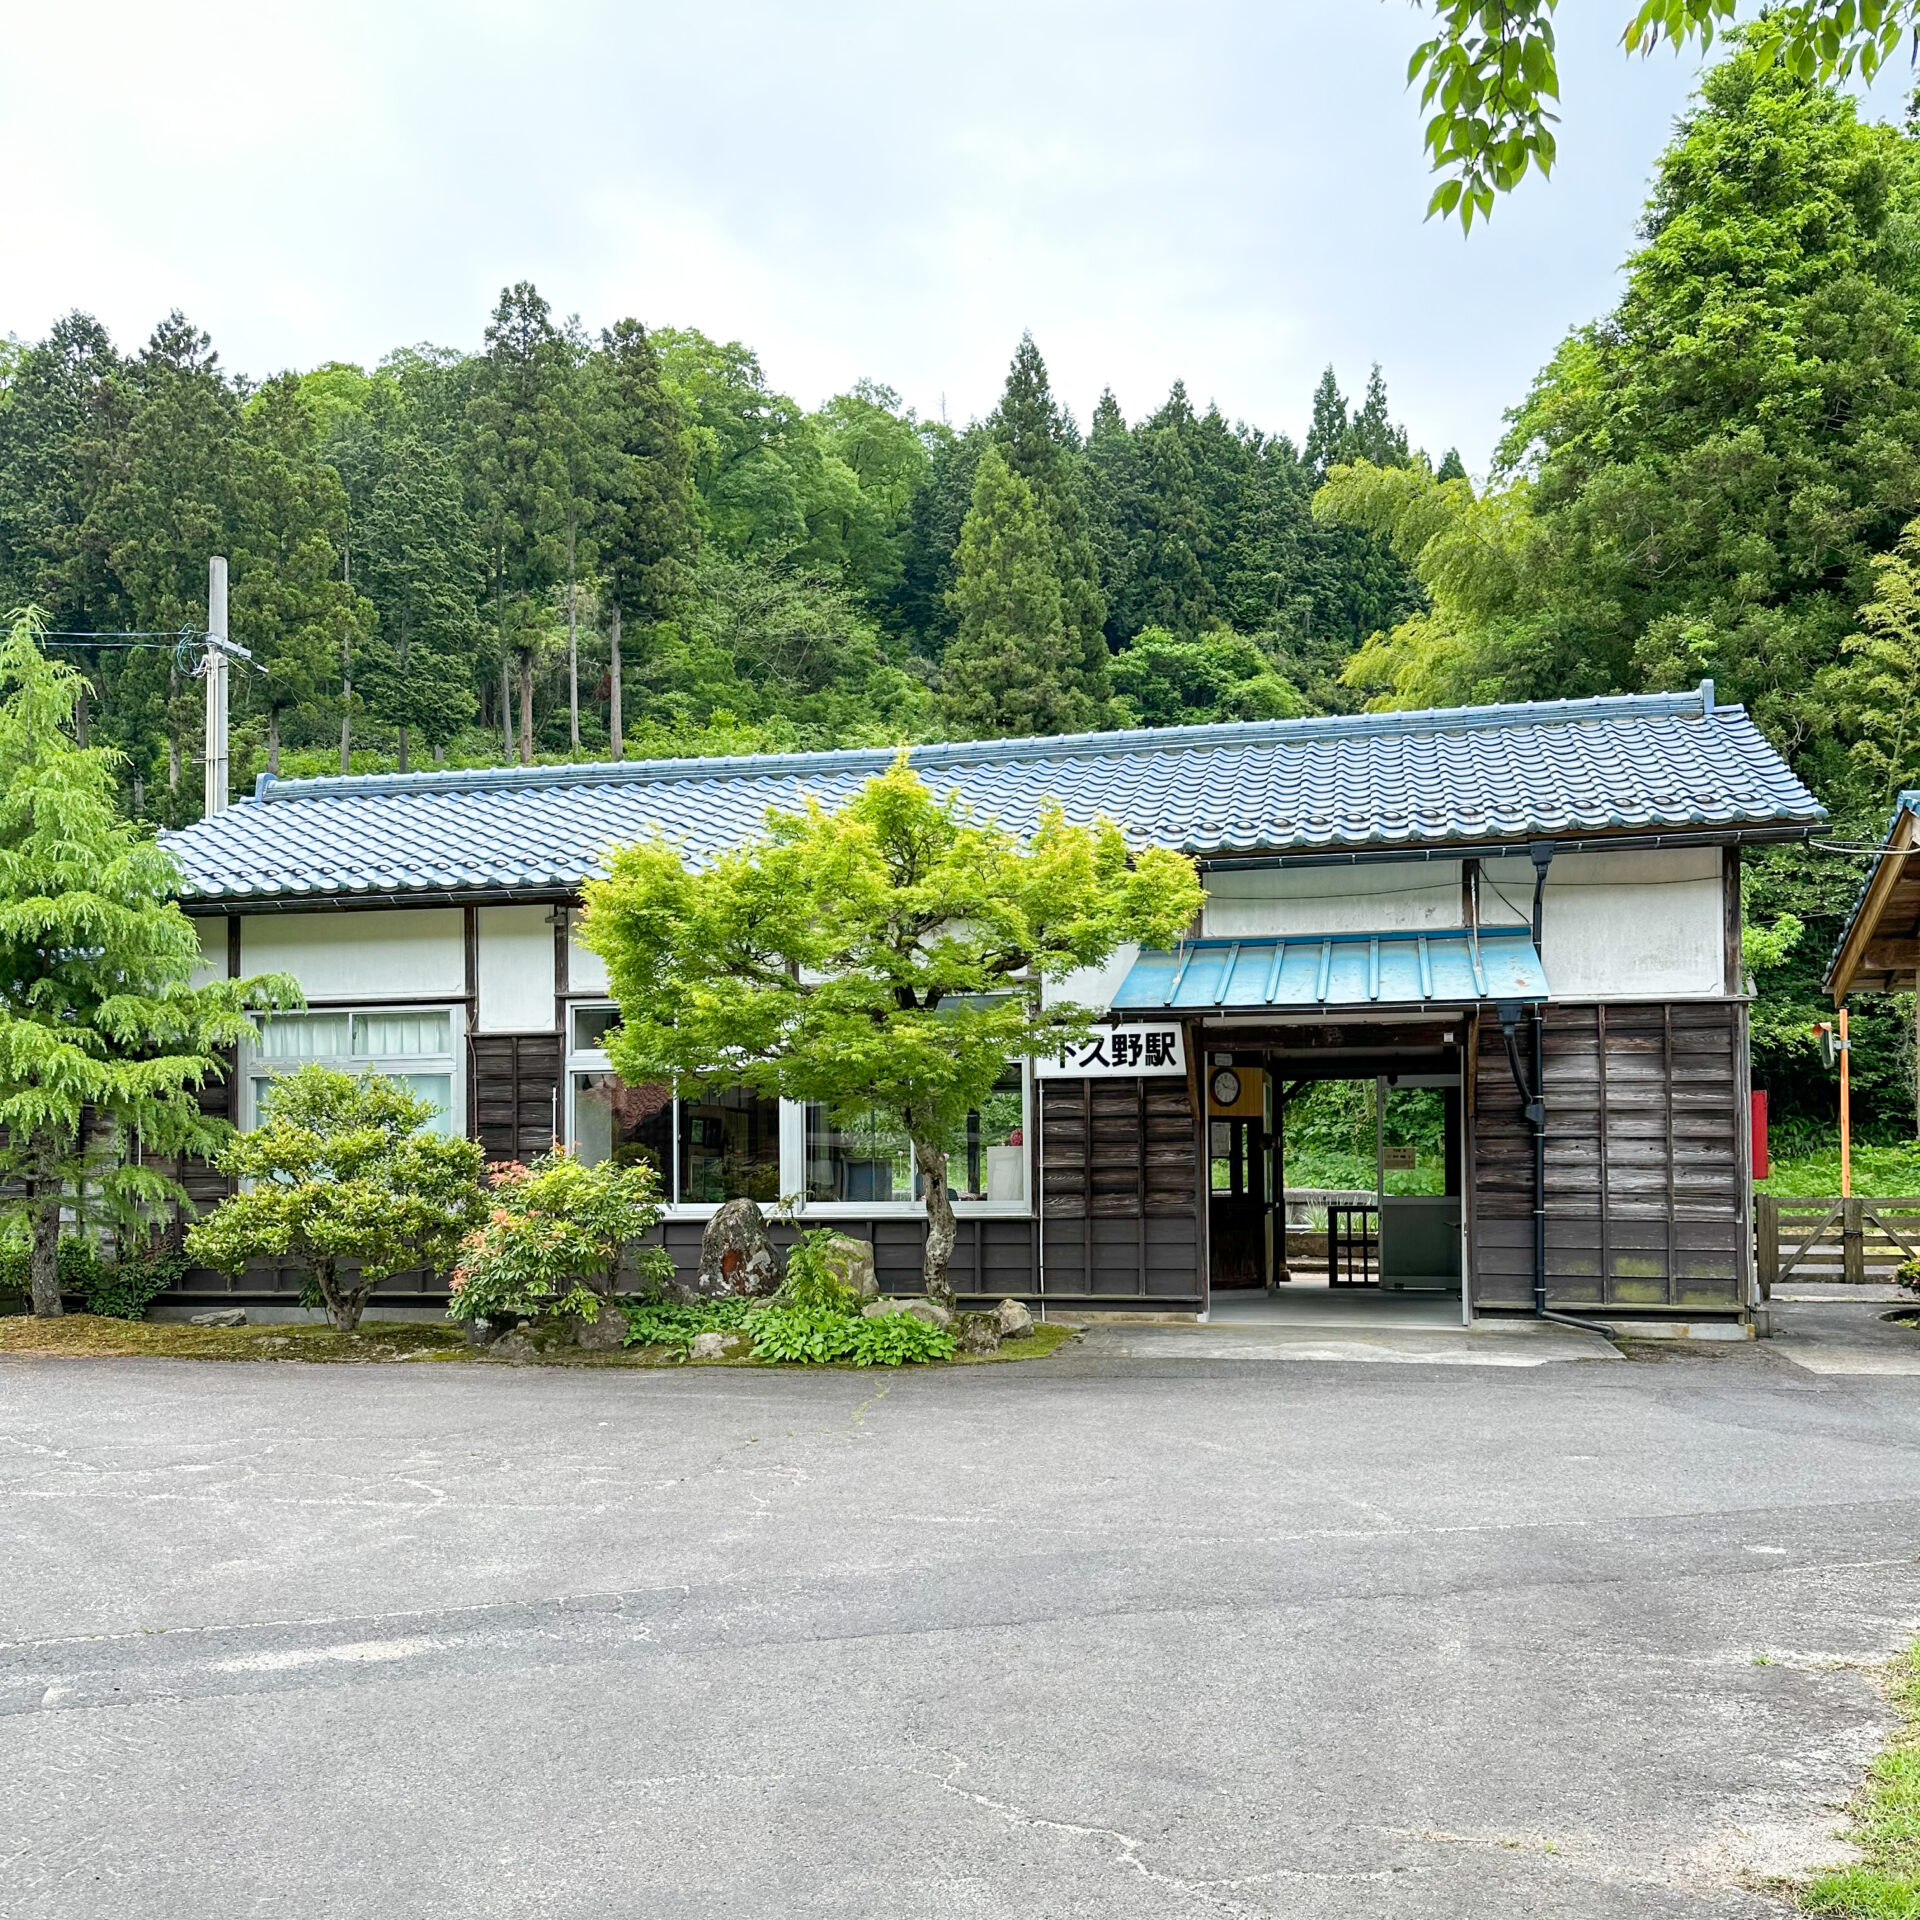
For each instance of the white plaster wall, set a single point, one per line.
(402, 954)
(1393, 897)
(1091, 986)
(212, 964)
(1621, 923)
(586, 971)
(516, 970)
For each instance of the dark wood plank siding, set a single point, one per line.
(1646, 1183)
(218, 1100)
(1119, 1181)
(518, 1106)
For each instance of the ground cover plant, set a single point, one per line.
(814, 1319)
(1885, 1885)
(1880, 1172)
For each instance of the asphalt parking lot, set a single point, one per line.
(1110, 1635)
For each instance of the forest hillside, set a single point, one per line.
(622, 539)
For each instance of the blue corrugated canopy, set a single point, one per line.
(1337, 970)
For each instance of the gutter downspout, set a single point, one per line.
(1533, 1104)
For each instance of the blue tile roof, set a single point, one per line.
(1647, 763)
(1337, 970)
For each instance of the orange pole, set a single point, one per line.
(1846, 1117)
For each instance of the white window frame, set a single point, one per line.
(793, 1150)
(254, 1066)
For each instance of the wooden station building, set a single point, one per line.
(1527, 914)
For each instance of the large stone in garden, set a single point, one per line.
(930, 1311)
(976, 1332)
(1015, 1321)
(736, 1257)
(220, 1317)
(850, 1261)
(605, 1333)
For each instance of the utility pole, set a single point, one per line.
(1846, 1112)
(216, 678)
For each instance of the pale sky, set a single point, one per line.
(1227, 191)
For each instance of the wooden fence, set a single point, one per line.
(1855, 1241)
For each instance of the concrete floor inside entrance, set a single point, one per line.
(1304, 1304)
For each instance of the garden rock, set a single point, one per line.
(736, 1257)
(605, 1333)
(709, 1346)
(224, 1317)
(851, 1263)
(1016, 1323)
(976, 1332)
(930, 1311)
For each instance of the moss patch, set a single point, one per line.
(90, 1336)
(1886, 1824)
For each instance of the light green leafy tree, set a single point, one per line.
(103, 1040)
(342, 1172)
(1490, 71)
(887, 955)
(1164, 681)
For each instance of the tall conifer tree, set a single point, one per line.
(1038, 443)
(647, 540)
(1010, 669)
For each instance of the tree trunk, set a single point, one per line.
(44, 1259)
(941, 1230)
(526, 710)
(573, 644)
(506, 705)
(273, 741)
(613, 688)
(344, 1304)
(403, 677)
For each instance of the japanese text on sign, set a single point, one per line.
(1136, 1049)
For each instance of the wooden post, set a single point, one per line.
(1853, 1242)
(1768, 1250)
(1846, 1116)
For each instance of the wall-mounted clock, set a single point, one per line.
(1226, 1087)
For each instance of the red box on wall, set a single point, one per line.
(1760, 1161)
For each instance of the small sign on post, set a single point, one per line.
(1133, 1049)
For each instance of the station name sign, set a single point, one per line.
(1147, 1048)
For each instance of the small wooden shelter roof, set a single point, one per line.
(1880, 950)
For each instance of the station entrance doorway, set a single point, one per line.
(1335, 1156)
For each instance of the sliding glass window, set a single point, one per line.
(710, 1144)
(413, 1045)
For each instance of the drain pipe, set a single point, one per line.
(1533, 1105)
